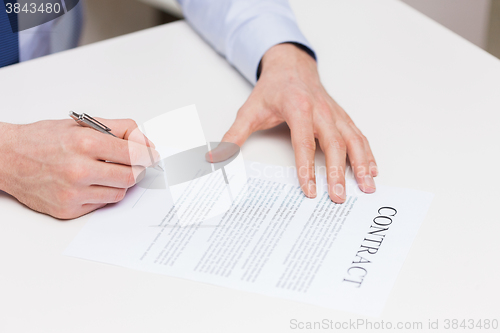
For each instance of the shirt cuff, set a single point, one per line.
(257, 36)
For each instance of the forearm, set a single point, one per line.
(243, 30)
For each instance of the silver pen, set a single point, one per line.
(85, 120)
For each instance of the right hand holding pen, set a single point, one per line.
(59, 168)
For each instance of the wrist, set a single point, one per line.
(8, 135)
(286, 55)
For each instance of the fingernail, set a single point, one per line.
(369, 184)
(338, 189)
(312, 188)
(373, 169)
(222, 152)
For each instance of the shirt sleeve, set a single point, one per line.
(243, 30)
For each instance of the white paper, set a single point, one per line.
(271, 240)
(175, 131)
(180, 131)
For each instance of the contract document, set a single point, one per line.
(262, 235)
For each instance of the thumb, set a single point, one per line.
(232, 141)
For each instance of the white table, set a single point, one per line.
(428, 101)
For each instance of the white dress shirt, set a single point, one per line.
(57, 35)
(241, 30)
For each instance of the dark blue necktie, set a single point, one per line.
(9, 41)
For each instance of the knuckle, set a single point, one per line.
(66, 213)
(337, 143)
(86, 144)
(132, 155)
(344, 123)
(156, 156)
(349, 122)
(60, 213)
(130, 179)
(131, 123)
(340, 123)
(65, 198)
(304, 104)
(356, 139)
(76, 174)
(245, 108)
(324, 108)
(361, 171)
(119, 195)
(308, 144)
(232, 135)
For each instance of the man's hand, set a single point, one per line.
(289, 90)
(59, 168)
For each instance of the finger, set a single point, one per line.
(372, 164)
(357, 155)
(108, 148)
(222, 152)
(334, 147)
(96, 194)
(116, 175)
(237, 135)
(304, 146)
(127, 129)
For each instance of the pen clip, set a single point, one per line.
(95, 122)
(87, 121)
